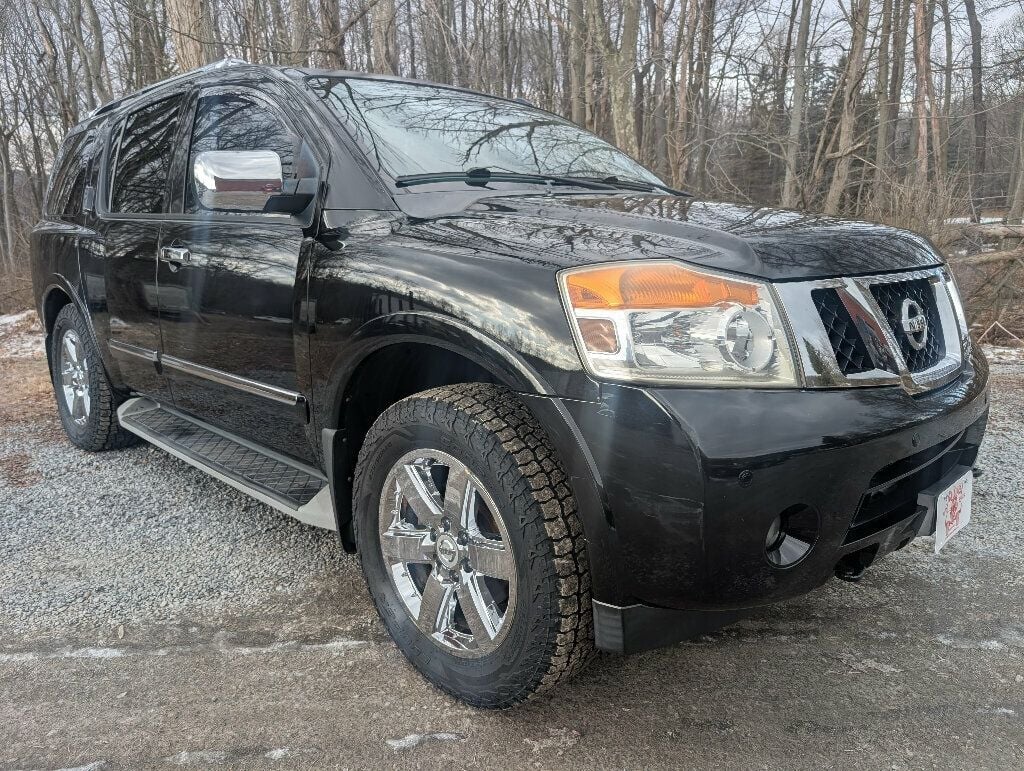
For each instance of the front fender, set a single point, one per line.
(428, 328)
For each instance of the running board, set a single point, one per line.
(289, 486)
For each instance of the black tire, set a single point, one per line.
(101, 429)
(489, 430)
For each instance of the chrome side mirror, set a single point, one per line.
(237, 180)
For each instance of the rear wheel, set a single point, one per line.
(471, 544)
(86, 400)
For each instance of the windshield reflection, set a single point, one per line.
(418, 129)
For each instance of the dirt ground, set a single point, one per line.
(920, 665)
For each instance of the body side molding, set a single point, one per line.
(234, 381)
(162, 361)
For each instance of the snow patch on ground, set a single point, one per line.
(21, 336)
(199, 757)
(415, 740)
(1004, 354)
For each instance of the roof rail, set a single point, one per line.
(221, 64)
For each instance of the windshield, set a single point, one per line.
(417, 129)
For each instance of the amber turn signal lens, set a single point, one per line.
(654, 286)
(599, 335)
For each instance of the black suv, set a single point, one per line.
(552, 403)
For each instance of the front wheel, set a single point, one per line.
(471, 544)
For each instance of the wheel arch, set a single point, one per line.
(426, 351)
(57, 295)
(395, 356)
(54, 298)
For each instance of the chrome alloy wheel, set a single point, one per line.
(74, 377)
(448, 553)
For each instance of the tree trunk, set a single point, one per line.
(922, 48)
(848, 113)
(978, 106)
(620, 63)
(1016, 213)
(330, 19)
(577, 62)
(898, 62)
(702, 83)
(659, 116)
(882, 99)
(789, 193)
(385, 37)
(189, 32)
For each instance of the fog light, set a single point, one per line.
(775, 535)
(791, 535)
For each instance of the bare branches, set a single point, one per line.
(861, 108)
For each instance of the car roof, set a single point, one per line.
(289, 72)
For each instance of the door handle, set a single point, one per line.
(175, 255)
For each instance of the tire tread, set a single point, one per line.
(513, 442)
(105, 432)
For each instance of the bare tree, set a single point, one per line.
(890, 109)
(848, 143)
(796, 116)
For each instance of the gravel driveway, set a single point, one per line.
(151, 616)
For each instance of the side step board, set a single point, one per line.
(294, 488)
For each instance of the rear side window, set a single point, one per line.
(237, 122)
(142, 159)
(70, 177)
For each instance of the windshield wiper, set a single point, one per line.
(641, 185)
(481, 176)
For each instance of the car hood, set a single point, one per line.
(774, 244)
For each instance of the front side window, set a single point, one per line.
(417, 129)
(143, 158)
(237, 122)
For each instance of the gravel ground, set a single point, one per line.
(151, 616)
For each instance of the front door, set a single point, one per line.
(128, 239)
(230, 293)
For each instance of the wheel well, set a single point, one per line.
(383, 378)
(55, 300)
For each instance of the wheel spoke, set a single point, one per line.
(66, 378)
(491, 558)
(406, 545)
(435, 605)
(78, 411)
(461, 535)
(481, 615)
(415, 487)
(70, 350)
(458, 495)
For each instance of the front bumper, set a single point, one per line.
(691, 479)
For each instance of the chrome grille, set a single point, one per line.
(847, 344)
(890, 296)
(847, 331)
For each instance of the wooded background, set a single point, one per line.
(909, 112)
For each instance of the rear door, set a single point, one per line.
(131, 204)
(229, 301)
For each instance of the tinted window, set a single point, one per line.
(143, 158)
(70, 177)
(412, 129)
(237, 122)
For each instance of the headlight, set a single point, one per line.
(662, 322)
